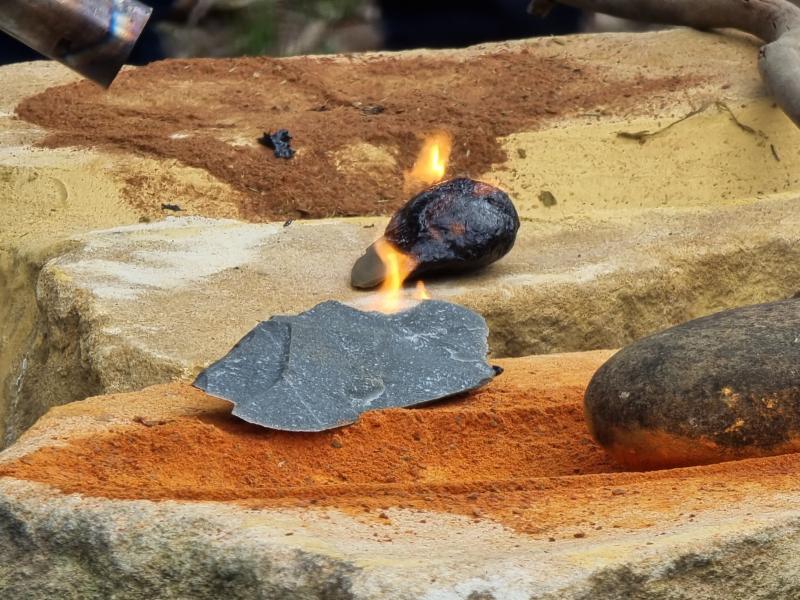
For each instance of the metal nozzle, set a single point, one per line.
(93, 37)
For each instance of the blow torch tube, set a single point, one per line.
(92, 37)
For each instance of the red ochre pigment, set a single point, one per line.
(517, 452)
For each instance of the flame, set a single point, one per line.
(429, 168)
(398, 267)
(431, 164)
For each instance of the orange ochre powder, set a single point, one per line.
(517, 452)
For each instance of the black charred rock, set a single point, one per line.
(280, 142)
(455, 226)
(722, 387)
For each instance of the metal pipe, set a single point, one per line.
(93, 37)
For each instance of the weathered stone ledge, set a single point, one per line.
(729, 530)
(146, 304)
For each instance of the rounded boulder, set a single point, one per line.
(722, 387)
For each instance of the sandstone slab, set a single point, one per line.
(150, 303)
(498, 495)
(59, 179)
(626, 243)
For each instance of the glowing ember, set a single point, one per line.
(431, 164)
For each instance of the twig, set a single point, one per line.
(643, 136)
(756, 132)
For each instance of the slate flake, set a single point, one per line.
(323, 368)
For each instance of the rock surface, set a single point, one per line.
(323, 368)
(66, 334)
(723, 387)
(130, 297)
(95, 502)
(626, 243)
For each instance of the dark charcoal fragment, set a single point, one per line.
(280, 142)
(722, 387)
(323, 368)
(373, 109)
(455, 226)
(172, 207)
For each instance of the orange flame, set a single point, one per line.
(429, 168)
(431, 164)
(398, 267)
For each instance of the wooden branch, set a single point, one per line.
(777, 22)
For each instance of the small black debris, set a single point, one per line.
(498, 370)
(288, 222)
(172, 207)
(372, 109)
(280, 142)
(369, 109)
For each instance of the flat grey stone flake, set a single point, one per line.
(321, 369)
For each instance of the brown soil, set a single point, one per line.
(209, 114)
(517, 452)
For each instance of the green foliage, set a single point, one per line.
(259, 28)
(260, 23)
(330, 10)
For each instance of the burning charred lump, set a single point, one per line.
(455, 226)
(323, 368)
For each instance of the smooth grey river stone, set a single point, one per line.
(323, 368)
(720, 387)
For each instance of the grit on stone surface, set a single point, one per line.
(150, 303)
(585, 196)
(500, 494)
(154, 494)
